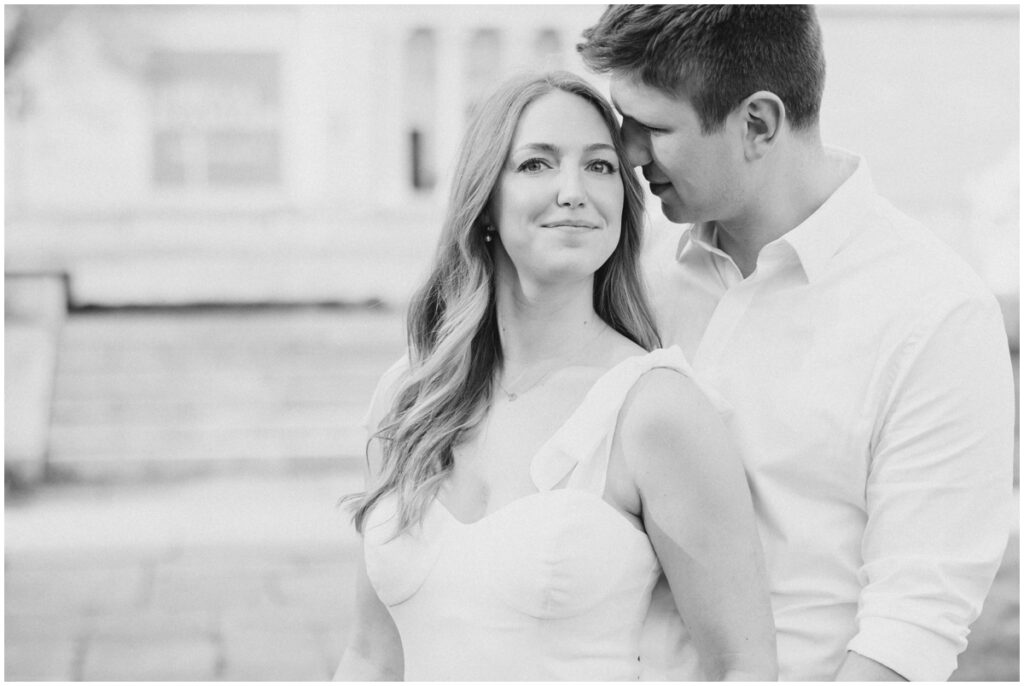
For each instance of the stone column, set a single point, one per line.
(35, 306)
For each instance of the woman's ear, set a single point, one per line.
(763, 115)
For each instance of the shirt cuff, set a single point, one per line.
(914, 653)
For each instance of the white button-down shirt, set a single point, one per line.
(872, 398)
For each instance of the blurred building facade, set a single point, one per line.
(176, 154)
(263, 153)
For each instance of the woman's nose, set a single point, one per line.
(571, 190)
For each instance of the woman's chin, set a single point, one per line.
(555, 276)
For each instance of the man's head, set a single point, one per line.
(715, 55)
(705, 90)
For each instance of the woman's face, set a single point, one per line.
(558, 205)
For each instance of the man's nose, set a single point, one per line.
(637, 143)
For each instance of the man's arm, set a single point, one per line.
(856, 667)
(938, 494)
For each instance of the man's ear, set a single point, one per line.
(763, 115)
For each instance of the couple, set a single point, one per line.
(552, 495)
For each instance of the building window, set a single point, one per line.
(216, 119)
(421, 108)
(483, 64)
(547, 50)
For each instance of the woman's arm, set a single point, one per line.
(697, 509)
(374, 649)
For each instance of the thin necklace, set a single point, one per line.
(563, 362)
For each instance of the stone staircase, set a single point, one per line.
(178, 391)
(144, 393)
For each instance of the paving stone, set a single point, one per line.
(999, 664)
(154, 624)
(244, 561)
(39, 659)
(176, 659)
(52, 624)
(82, 590)
(183, 590)
(105, 558)
(332, 643)
(272, 618)
(325, 591)
(273, 656)
(331, 554)
(316, 583)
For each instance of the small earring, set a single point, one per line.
(488, 230)
(487, 238)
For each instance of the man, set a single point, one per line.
(866, 365)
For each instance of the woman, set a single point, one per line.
(535, 467)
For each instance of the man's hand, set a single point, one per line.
(856, 667)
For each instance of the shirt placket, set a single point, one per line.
(734, 303)
(727, 315)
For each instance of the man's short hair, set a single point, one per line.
(716, 55)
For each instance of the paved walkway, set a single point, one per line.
(212, 578)
(235, 578)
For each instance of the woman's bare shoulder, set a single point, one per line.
(666, 405)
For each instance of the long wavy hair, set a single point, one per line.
(454, 348)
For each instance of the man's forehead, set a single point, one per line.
(630, 95)
(623, 91)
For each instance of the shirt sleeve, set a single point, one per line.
(939, 492)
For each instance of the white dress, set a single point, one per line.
(553, 586)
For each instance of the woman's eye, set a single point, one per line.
(603, 167)
(534, 164)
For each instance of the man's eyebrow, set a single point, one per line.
(628, 116)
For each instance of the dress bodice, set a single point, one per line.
(552, 586)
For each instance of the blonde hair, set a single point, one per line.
(454, 349)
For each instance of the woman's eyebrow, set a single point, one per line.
(539, 147)
(555, 150)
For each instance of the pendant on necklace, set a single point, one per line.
(511, 396)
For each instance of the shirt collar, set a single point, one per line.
(703, 234)
(819, 237)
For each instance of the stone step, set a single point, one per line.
(238, 327)
(142, 358)
(155, 394)
(215, 386)
(161, 412)
(69, 444)
(215, 415)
